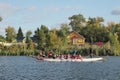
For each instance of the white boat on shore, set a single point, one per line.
(75, 60)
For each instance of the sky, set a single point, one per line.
(31, 14)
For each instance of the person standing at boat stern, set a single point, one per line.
(91, 52)
(40, 55)
(74, 52)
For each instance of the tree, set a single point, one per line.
(28, 40)
(28, 33)
(95, 34)
(88, 33)
(10, 34)
(102, 34)
(95, 22)
(20, 33)
(63, 32)
(44, 28)
(76, 22)
(42, 41)
(2, 39)
(54, 41)
(116, 29)
(65, 27)
(114, 43)
(42, 36)
(111, 27)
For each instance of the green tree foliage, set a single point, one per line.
(63, 32)
(42, 41)
(28, 33)
(95, 22)
(30, 45)
(111, 27)
(2, 39)
(115, 43)
(117, 30)
(101, 34)
(76, 22)
(65, 29)
(20, 33)
(44, 28)
(42, 36)
(10, 34)
(37, 32)
(113, 39)
(31, 48)
(90, 27)
(93, 30)
(36, 35)
(28, 39)
(55, 41)
(97, 34)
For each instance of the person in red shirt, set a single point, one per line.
(72, 56)
(50, 54)
(40, 55)
(79, 56)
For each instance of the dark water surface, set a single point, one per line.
(27, 68)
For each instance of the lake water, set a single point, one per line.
(27, 68)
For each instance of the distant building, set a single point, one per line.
(34, 39)
(20, 39)
(75, 38)
(23, 39)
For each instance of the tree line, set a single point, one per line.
(93, 29)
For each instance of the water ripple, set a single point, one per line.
(27, 68)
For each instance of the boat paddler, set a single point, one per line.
(40, 55)
(50, 54)
(91, 52)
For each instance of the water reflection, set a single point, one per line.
(27, 68)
